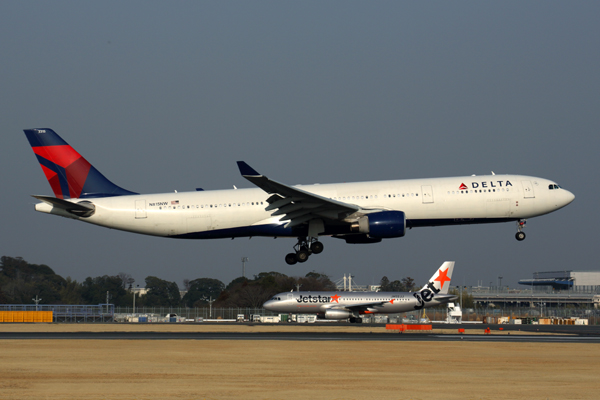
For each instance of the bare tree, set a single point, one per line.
(126, 279)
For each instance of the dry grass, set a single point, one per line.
(147, 327)
(198, 369)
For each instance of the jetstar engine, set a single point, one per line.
(337, 314)
(381, 225)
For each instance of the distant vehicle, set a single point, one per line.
(351, 305)
(362, 212)
(255, 318)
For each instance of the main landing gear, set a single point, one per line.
(520, 225)
(355, 320)
(304, 248)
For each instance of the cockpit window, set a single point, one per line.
(276, 298)
(553, 186)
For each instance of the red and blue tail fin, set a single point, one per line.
(69, 174)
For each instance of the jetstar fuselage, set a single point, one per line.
(320, 302)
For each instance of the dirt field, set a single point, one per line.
(182, 369)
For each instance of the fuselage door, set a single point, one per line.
(427, 194)
(527, 190)
(140, 209)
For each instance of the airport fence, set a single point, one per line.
(67, 312)
(195, 313)
(433, 314)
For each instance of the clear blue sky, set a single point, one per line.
(168, 95)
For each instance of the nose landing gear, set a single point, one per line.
(520, 235)
(304, 248)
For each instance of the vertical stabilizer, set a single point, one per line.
(69, 174)
(439, 283)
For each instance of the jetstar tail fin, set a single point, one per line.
(440, 281)
(69, 174)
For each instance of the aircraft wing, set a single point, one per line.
(366, 306)
(296, 205)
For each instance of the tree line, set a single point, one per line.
(21, 282)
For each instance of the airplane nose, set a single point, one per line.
(268, 305)
(565, 198)
(569, 197)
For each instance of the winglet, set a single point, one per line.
(247, 170)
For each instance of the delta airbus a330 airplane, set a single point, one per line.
(362, 212)
(343, 305)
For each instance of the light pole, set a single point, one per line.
(210, 304)
(500, 284)
(244, 261)
(37, 301)
(133, 291)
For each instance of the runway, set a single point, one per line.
(526, 333)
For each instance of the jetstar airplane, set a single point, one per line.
(343, 305)
(363, 212)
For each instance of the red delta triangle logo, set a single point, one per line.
(463, 186)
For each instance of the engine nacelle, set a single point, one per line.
(382, 225)
(337, 314)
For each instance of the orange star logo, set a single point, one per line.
(335, 298)
(392, 301)
(443, 277)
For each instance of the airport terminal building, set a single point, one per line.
(552, 288)
(577, 281)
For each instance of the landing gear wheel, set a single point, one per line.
(316, 247)
(352, 320)
(302, 255)
(359, 320)
(520, 235)
(303, 249)
(291, 259)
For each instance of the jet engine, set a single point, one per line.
(382, 225)
(337, 314)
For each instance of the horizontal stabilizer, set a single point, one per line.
(82, 209)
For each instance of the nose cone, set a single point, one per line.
(268, 305)
(568, 197)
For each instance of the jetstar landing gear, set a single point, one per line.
(355, 320)
(304, 248)
(520, 225)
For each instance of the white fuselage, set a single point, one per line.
(241, 212)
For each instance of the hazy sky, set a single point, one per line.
(169, 95)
